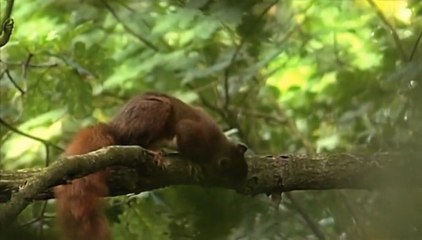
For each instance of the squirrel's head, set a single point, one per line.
(233, 164)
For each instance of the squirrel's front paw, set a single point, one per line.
(195, 171)
(159, 159)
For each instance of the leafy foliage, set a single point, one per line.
(289, 76)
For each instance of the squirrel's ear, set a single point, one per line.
(242, 148)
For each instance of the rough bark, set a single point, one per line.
(134, 171)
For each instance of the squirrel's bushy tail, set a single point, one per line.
(79, 202)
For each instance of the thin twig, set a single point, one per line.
(312, 225)
(206, 103)
(9, 76)
(13, 129)
(25, 65)
(223, 114)
(273, 56)
(391, 28)
(227, 73)
(272, 72)
(126, 6)
(145, 22)
(267, 9)
(40, 217)
(128, 29)
(361, 232)
(42, 65)
(293, 128)
(336, 49)
(30, 222)
(415, 46)
(265, 116)
(234, 58)
(47, 155)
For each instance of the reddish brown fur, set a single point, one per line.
(78, 202)
(149, 121)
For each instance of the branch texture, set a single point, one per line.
(134, 170)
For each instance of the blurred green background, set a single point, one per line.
(286, 76)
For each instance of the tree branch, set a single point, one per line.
(415, 46)
(6, 24)
(134, 170)
(390, 27)
(128, 29)
(43, 141)
(12, 80)
(61, 171)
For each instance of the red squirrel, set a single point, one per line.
(150, 120)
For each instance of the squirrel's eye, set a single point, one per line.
(223, 163)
